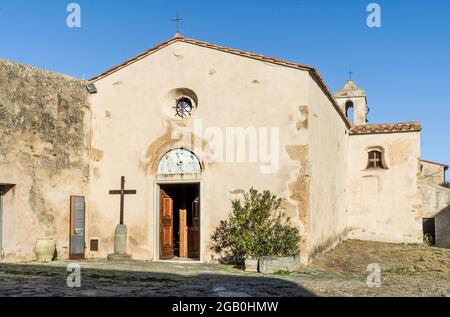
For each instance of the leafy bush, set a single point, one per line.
(256, 227)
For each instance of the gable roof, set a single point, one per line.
(386, 128)
(179, 38)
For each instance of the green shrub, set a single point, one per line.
(256, 227)
(282, 273)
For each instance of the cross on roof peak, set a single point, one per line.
(177, 19)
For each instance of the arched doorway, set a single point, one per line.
(179, 205)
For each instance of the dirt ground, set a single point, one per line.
(353, 256)
(406, 270)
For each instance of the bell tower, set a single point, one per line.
(353, 103)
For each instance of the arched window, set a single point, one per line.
(376, 158)
(349, 110)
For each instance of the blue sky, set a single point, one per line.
(404, 66)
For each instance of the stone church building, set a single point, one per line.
(165, 120)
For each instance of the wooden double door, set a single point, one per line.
(179, 221)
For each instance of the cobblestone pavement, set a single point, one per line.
(100, 278)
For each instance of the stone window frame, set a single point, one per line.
(172, 99)
(381, 161)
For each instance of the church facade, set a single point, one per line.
(190, 126)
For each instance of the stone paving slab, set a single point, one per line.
(105, 279)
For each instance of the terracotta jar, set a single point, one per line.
(45, 249)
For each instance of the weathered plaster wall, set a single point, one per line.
(328, 141)
(134, 120)
(385, 203)
(432, 173)
(53, 147)
(43, 129)
(436, 204)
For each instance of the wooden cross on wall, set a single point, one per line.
(122, 192)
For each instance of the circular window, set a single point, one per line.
(183, 107)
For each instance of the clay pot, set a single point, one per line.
(45, 249)
(251, 265)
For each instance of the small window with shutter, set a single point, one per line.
(94, 245)
(376, 159)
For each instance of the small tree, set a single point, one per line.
(256, 227)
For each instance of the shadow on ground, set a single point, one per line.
(48, 280)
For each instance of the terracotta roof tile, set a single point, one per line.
(386, 128)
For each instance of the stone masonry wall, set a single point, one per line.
(44, 122)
